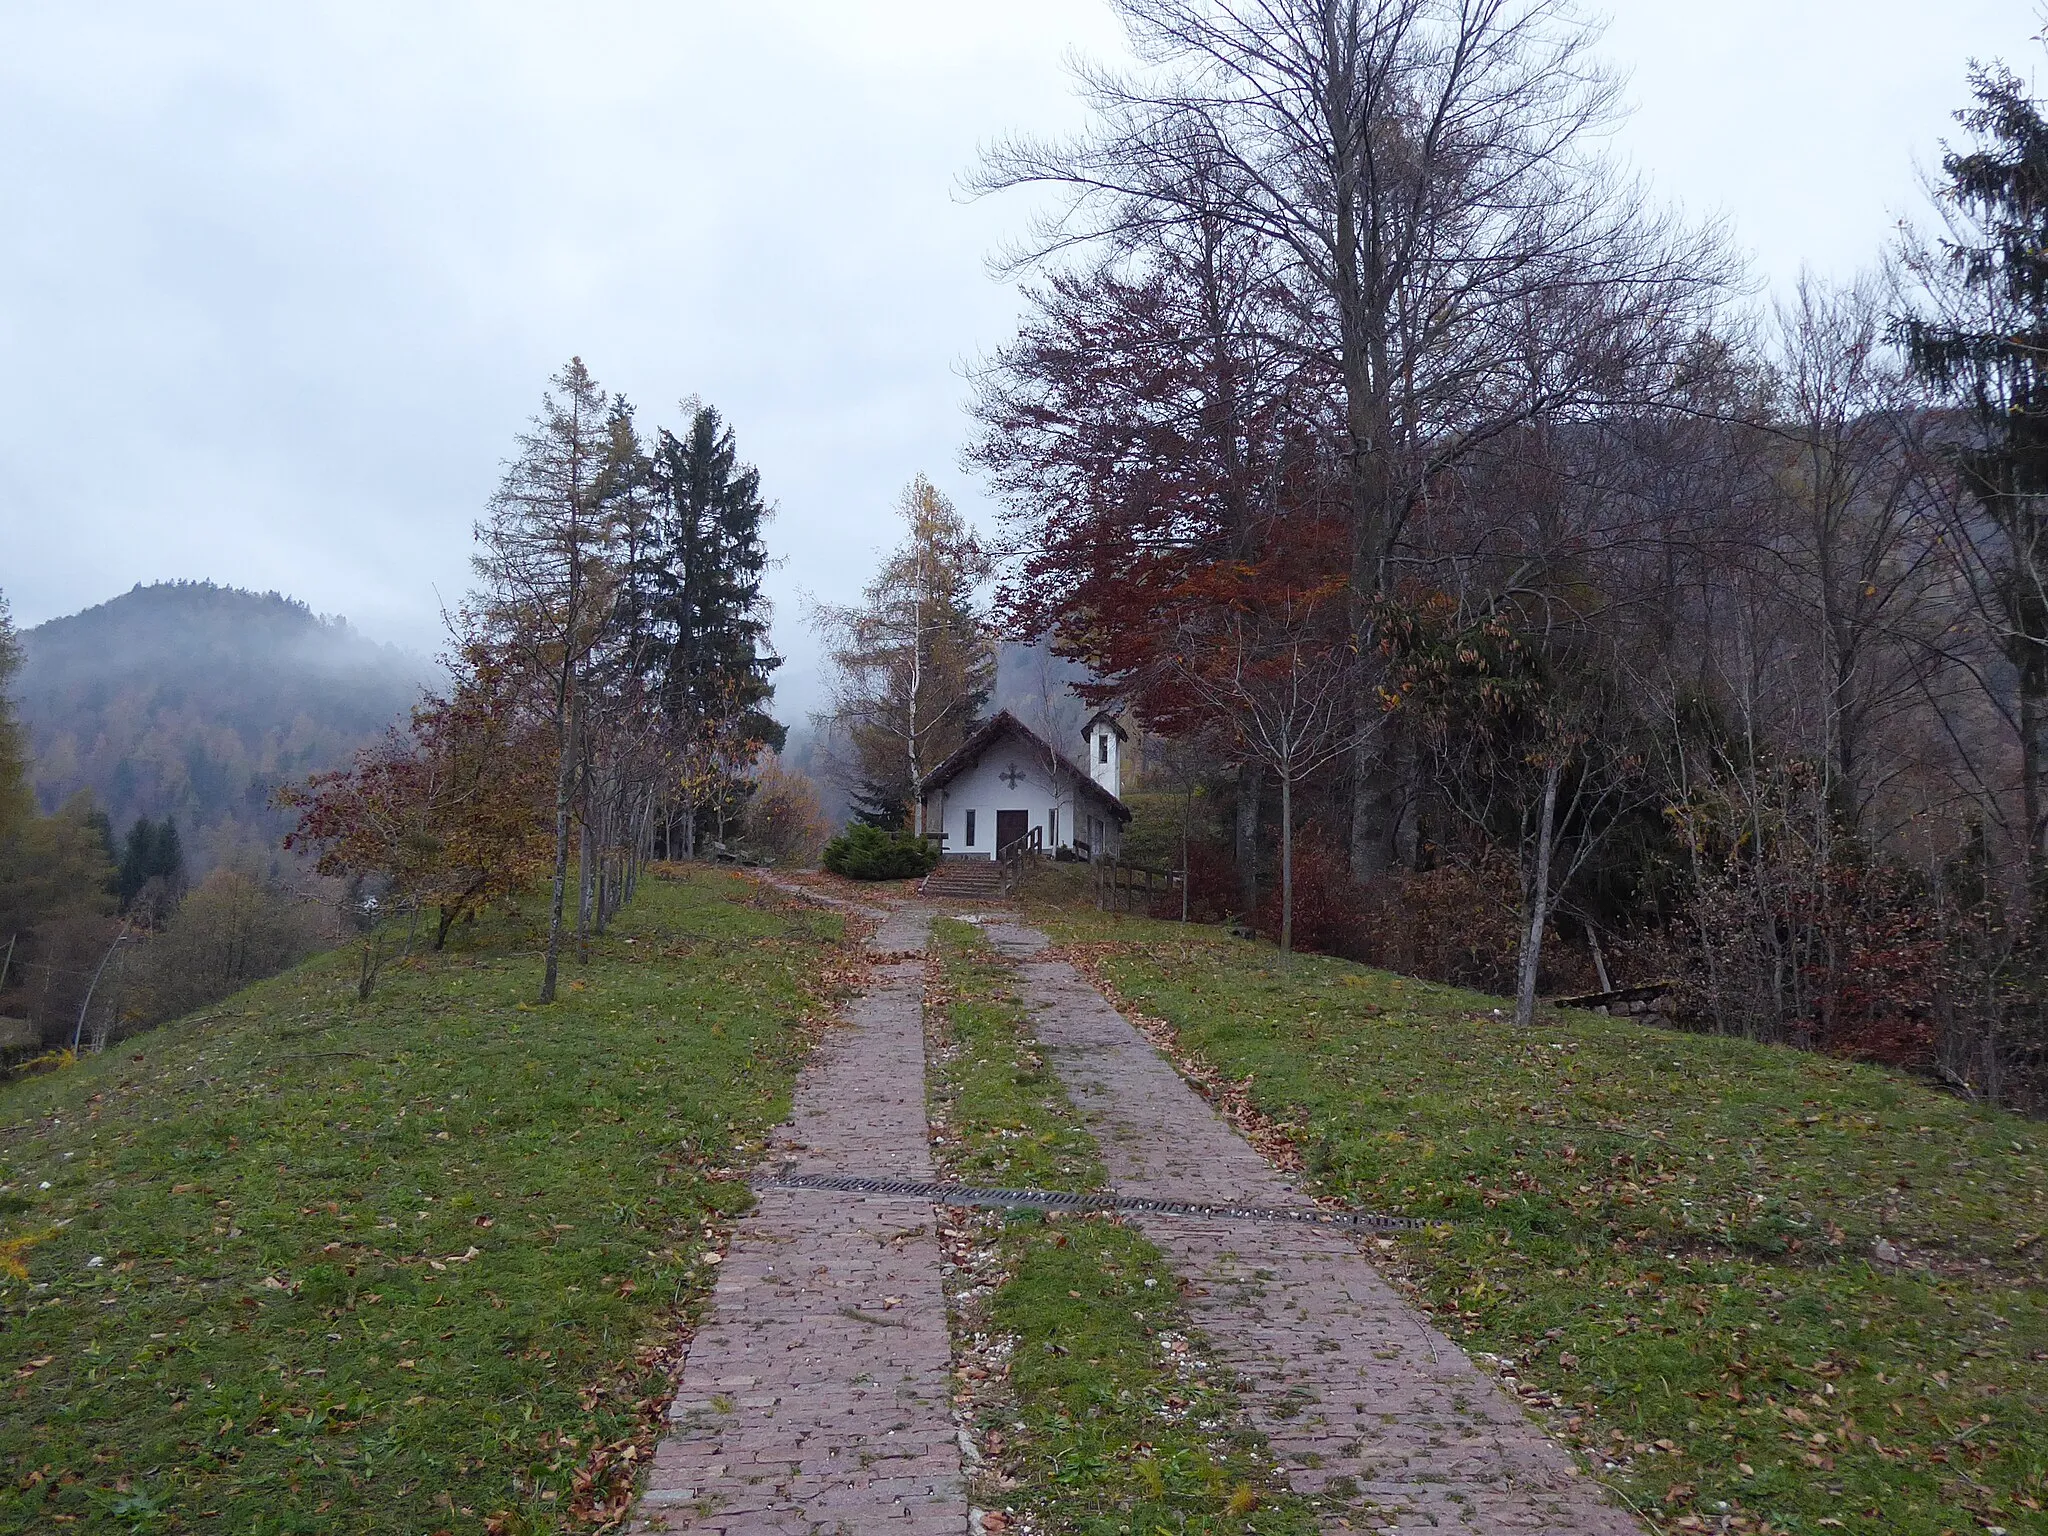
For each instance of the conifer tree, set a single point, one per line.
(712, 558)
(547, 569)
(1980, 338)
(151, 851)
(915, 661)
(709, 619)
(17, 804)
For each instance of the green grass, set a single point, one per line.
(1000, 1113)
(1114, 1422)
(404, 1266)
(1670, 1234)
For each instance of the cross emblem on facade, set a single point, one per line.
(1011, 777)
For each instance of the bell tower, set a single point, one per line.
(1105, 739)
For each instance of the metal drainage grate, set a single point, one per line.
(1062, 1200)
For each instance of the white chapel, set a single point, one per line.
(1007, 784)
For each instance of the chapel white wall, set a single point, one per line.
(1038, 791)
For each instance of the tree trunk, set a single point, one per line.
(1375, 803)
(1187, 816)
(565, 788)
(2033, 682)
(583, 895)
(1539, 900)
(1251, 783)
(1407, 776)
(372, 958)
(1286, 864)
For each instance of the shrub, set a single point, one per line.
(785, 823)
(869, 853)
(1453, 924)
(231, 930)
(1325, 901)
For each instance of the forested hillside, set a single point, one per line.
(193, 701)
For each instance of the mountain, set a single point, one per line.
(194, 701)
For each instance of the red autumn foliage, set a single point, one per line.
(1151, 447)
(449, 812)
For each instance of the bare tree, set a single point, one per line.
(1856, 539)
(1421, 170)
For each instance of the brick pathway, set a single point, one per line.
(1347, 1381)
(815, 1397)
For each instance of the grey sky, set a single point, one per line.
(278, 283)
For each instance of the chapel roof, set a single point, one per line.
(1109, 718)
(1004, 723)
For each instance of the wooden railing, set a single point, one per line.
(1014, 855)
(1117, 883)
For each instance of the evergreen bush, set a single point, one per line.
(869, 853)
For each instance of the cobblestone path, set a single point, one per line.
(1347, 1380)
(815, 1397)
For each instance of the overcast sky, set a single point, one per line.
(278, 283)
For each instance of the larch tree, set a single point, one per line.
(547, 575)
(914, 664)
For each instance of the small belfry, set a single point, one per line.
(1106, 738)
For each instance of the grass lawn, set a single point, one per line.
(309, 1265)
(1102, 1414)
(1669, 1237)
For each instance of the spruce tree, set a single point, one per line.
(152, 850)
(1980, 338)
(709, 561)
(881, 805)
(709, 651)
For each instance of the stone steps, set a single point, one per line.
(964, 878)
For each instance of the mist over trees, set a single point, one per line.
(1675, 643)
(191, 702)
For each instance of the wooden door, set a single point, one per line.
(1011, 827)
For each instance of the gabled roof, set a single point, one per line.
(1108, 719)
(1004, 723)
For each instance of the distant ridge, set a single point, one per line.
(194, 700)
